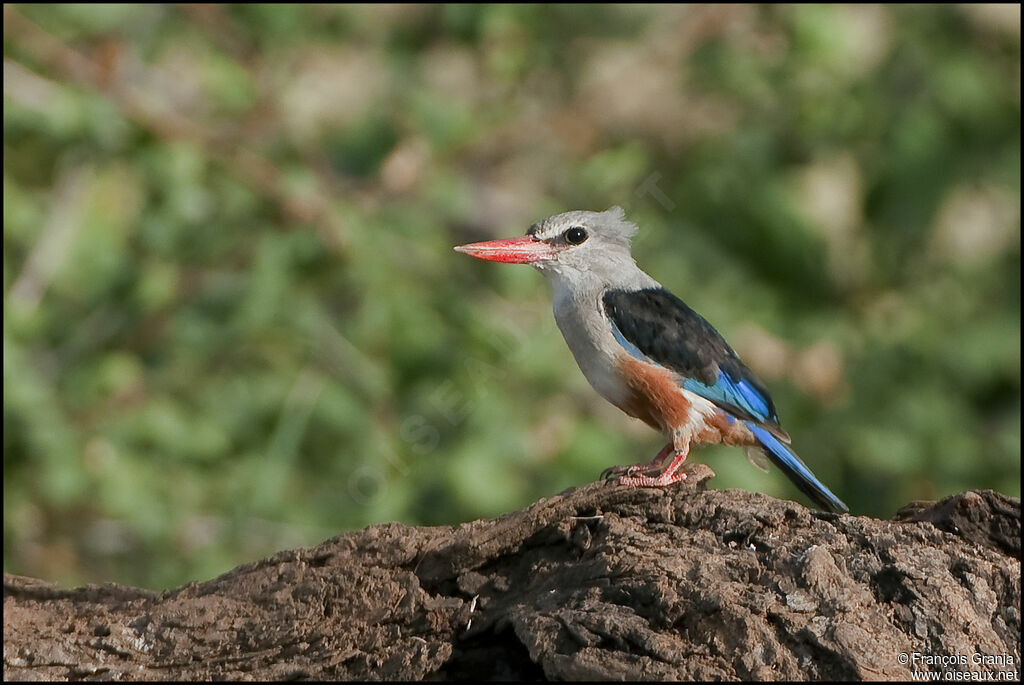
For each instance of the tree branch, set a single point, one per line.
(595, 583)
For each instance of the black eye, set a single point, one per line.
(575, 235)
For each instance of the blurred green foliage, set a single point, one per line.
(233, 321)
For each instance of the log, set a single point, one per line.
(598, 582)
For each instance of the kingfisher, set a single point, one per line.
(645, 351)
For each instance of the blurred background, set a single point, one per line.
(233, 321)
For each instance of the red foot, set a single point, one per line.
(653, 482)
(667, 477)
(632, 469)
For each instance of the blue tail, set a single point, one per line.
(796, 470)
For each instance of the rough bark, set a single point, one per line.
(600, 582)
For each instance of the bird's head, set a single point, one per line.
(571, 246)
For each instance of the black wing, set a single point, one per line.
(660, 327)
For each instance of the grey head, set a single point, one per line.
(590, 251)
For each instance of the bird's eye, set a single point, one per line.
(575, 235)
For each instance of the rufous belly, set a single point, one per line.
(657, 399)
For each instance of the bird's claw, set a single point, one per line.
(629, 471)
(662, 480)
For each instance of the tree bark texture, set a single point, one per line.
(599, 582)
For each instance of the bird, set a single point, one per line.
(648, 353)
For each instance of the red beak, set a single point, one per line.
(525, 250)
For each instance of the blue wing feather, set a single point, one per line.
(796, 470)
(738, 393)
(632, 349)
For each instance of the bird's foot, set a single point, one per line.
(633, 469)
(666, 477)
(628, 470)
(662, 480)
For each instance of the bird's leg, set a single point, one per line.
(654, 464)
(666, 477)
(632, 469)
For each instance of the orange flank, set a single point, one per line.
(655, 398)
(719, 429)
(658, 400)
